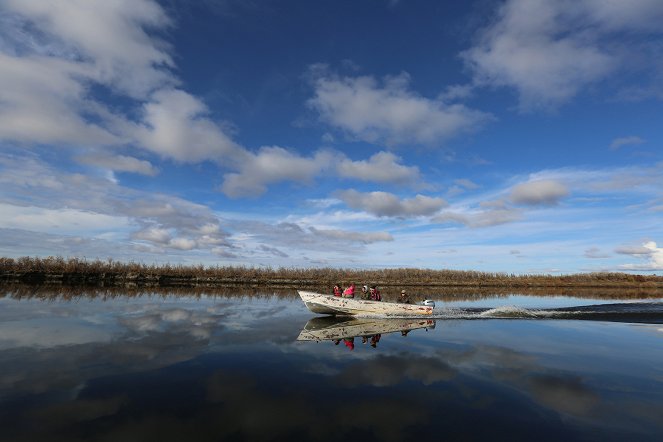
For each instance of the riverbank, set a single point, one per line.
(55, 271)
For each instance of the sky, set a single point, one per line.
(517, 136)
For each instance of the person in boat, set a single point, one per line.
(349, 342)
(404, 298)
(350, 291)
(364, 293)
(374, 294)
(337, 290)
(374, 340)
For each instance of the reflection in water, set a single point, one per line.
(215, 368)
(345, 329)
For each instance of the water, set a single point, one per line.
(153, 367)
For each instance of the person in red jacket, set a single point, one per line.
(337, 290)
(349, 342)
(375, 294)
(349, 292)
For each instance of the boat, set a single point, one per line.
(333, 328)
(335, 305)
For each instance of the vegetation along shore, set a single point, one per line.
(75, 271)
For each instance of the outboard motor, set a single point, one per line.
(429, 302)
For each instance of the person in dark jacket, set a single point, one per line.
(374, 340)
(404, 298)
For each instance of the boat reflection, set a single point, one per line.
(343, 329)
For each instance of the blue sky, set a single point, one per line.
(515, 136)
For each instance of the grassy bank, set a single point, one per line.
(73, 271)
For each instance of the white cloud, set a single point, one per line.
(66, 203)
(388, 112)
(273, 164)
(362, 237)
(382, 167)
(71, 45)
(43, 101)
(549, 51)
(54, 51)
(649, 251)
(633, 250)
(153, 234)
(48, 99)
(118, 163)
(541, 192)
(176, 126)
(388, 204)
(109, 37)
(183, 243)
(625, 141)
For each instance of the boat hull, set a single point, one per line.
(333, 305)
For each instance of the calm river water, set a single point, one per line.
(259, 367)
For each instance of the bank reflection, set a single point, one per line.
(369, 330)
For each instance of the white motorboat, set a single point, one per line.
(334, 305)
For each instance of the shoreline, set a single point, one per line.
(57, 271)
(159, 280)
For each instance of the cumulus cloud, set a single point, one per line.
(272, 164)
(388, 204)
(118, 163)
(625, 141)
(382, 167)
(633, 250)
(549, 51)
(70, 45)
(176, 126)
(112, 35)
(64, 202)
(540, 192)
(649, 252)
(43, 102)
(388, 111)
(47, 96)
(49, 78)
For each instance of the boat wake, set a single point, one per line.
(640, 312)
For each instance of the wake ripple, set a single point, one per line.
(640, 312)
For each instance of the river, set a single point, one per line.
(259, 366)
